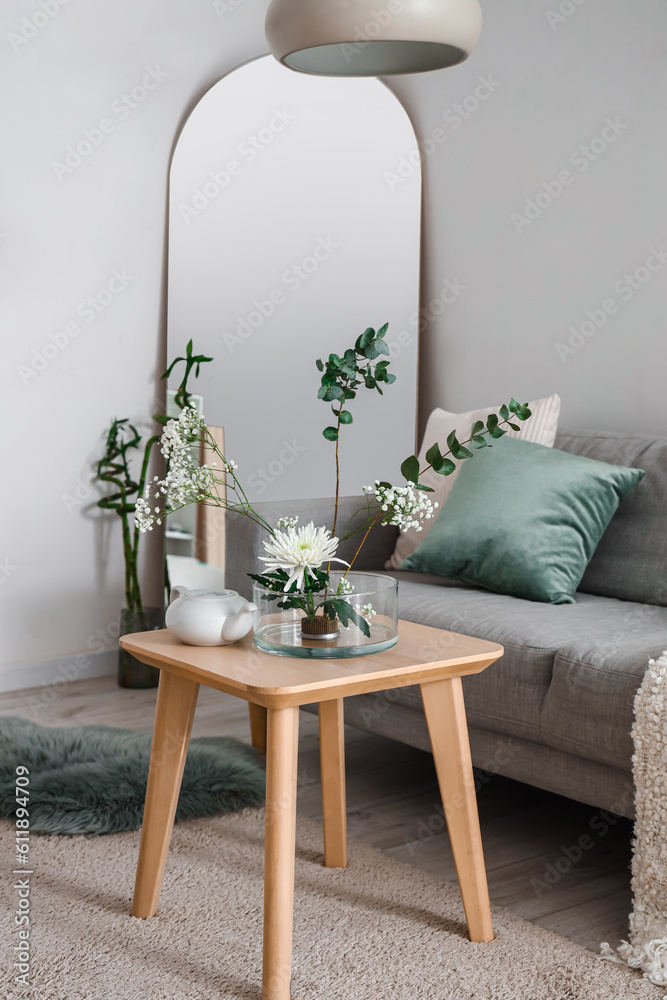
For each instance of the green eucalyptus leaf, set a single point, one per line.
(382, 346)
(410, 469)
(365, 339)
(453, 441)
(425, 489)
(371, 351)
(504, 412)
(320, 365)
(492, 421)
(515, 427)
(446, 468)
(383, 329)
(345, 417)
(479, 442)
(330, 433)
(497, 432)
(477, 428)
(433, 456)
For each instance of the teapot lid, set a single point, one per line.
(211, 594)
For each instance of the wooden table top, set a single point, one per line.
(421, 654)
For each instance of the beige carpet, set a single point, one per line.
(377, 930)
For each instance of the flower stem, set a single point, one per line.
(374, 521)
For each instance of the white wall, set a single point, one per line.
(62, 237)
(555, 72)
(64, 233)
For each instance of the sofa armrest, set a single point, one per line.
(244, 537)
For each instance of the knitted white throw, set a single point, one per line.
(647, 947)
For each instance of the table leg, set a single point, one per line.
(332, 765)
(448, 729)
(281, 782)
(176, 701)
(257, 726)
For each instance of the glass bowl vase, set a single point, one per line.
(375, 596)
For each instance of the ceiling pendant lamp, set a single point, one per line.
(372, 37)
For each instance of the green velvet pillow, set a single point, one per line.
(523, 519)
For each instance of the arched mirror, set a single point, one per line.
(289, 233)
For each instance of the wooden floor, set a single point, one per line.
(538, 864)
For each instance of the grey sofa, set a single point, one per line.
(556, 710)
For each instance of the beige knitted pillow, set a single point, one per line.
(540, 428)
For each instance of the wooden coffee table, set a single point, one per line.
(275, 687)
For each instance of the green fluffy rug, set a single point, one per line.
(92, 779)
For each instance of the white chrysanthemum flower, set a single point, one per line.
(298, 551)
(404, 506)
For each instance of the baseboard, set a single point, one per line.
(57, 673)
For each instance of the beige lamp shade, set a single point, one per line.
(372, 37)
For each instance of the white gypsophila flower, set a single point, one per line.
(404, 506)
(298, 551)
(286, 522)
(344, 586)
(366, 611)
(186, 481)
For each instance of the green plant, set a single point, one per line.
(123, 445)
(386, 504)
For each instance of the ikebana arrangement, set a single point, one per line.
(298, 563)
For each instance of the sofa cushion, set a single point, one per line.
(516, 694)
(524, 520)
(589, 706)
(541, 428)
(631, 560)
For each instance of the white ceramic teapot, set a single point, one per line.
(208, 617)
